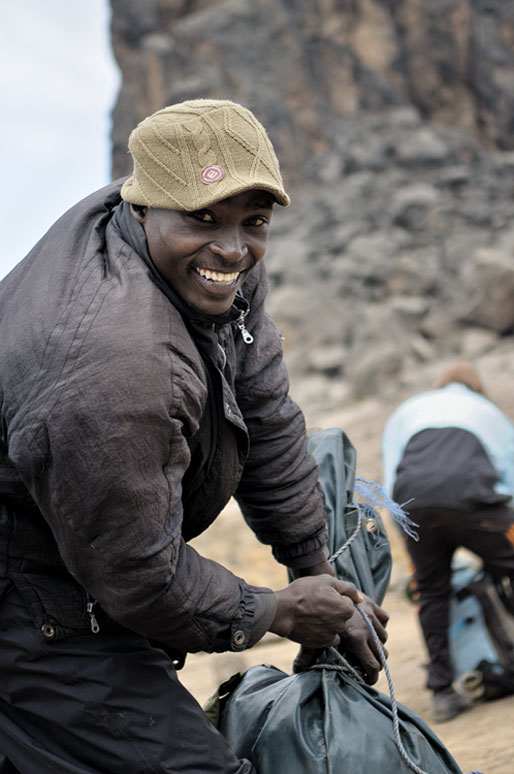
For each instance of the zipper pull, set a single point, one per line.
(95, 628)
(245, 333)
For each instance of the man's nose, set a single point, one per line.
(230, 245)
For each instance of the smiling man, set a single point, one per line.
(141, 386)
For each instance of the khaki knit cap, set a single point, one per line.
(193, 154)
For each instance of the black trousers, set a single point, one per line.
(109, 704)
(488, 533)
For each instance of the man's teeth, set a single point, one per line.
(218, 276)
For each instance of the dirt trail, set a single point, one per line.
(482, 738)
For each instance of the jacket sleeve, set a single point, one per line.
(279, 493)
(101, 445)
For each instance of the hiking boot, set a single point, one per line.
(448, 704)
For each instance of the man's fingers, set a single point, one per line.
(381, 614)
(379, 629)
(371, 676)
(369, 660)
(374, 647)
(347, 589)
(377, 616)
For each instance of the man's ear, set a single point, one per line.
(138, 212)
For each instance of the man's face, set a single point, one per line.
(206, 255)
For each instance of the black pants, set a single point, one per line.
(489, 533)
(109, 704)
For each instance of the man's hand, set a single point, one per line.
(302, 610)
(314, 610)
(356, 638)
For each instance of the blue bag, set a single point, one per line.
(481, 634)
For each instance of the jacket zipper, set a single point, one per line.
(245, 333)
(90, 607)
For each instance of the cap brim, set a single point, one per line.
(278, 194)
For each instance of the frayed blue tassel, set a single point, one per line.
(377, 497)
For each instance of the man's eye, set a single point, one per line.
(257, 220)
(203, 215)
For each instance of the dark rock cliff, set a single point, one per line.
(393, 121)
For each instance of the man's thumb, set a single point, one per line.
(304, 659)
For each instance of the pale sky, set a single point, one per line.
(58, 83)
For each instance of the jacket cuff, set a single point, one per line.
(304, 554)
(308, 560)
(264, 611)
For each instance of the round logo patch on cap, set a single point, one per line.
(212, 174)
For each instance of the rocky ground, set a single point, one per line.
(479, 739)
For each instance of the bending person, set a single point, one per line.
(449, 454)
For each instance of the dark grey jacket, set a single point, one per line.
(446, 467)
(102, 391)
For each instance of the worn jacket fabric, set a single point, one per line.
(103, 387)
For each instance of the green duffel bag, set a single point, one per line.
(365, 561)
(327, 720)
